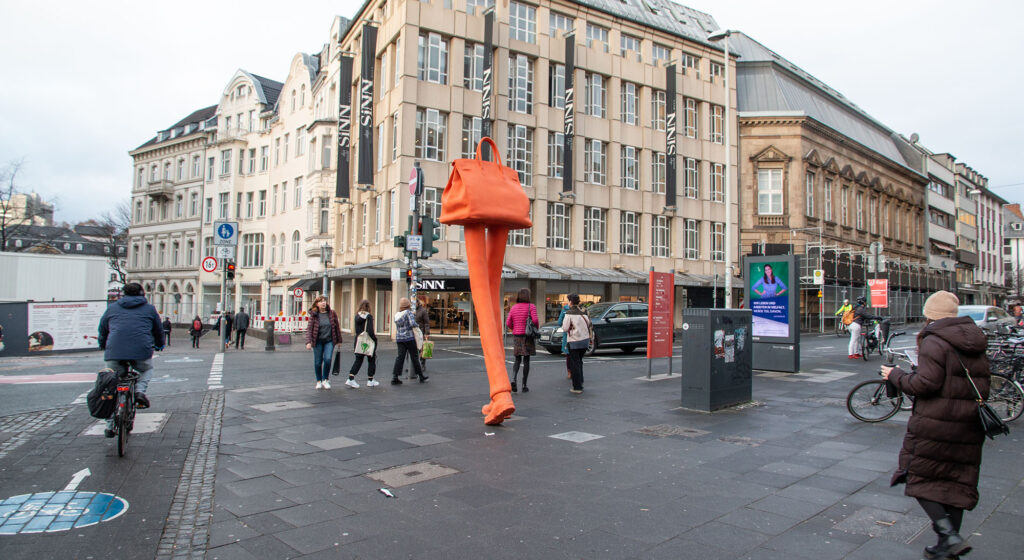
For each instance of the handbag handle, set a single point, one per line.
(494, 149)
(968, 373)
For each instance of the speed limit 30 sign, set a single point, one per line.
(209, 264)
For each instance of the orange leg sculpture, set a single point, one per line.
(485, 253)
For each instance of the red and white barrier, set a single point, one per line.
(282, 323)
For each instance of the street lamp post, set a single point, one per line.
(723, 35)
(325, 258)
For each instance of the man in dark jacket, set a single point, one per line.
(129, 331)
(241, 325)
(167, 330)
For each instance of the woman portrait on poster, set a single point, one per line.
(769, 286)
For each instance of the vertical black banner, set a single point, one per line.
(670, 136)
(368, 55)
(485, 113)
(342, 187)
(569, 132)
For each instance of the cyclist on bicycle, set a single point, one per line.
(860, 314)
(843, 308)
(129, 331)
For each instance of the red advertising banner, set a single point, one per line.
(660, 308)
(879, 292)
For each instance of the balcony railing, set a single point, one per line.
(160, 189)
(773, 221)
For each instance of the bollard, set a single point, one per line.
(270, 335)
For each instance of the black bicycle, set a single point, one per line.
(124, 413)
(870, 401)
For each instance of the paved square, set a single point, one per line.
(424, 439)
(415, 473)
(875, 522)
(576, 437)
(666, 430)
(335, 443)
(280, 405)
(145, 423)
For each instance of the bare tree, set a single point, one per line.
(114, 224)
(16, 221)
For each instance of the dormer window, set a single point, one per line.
(1017, 226)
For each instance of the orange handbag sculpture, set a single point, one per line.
(488, 200)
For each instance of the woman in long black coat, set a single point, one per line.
(941, 455)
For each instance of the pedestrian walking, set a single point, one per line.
(364, 324)
(322, 333)
(167, 330)
(423, 320)
(565, 340)
(228, 320)
(940, 460)
(405, 321)
(522, 344)
(196, 331)
(241, 325)
(578, 329)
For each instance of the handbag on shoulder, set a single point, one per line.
(991, 423)
(531, 330)
(484, 192)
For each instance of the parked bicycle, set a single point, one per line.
(870, 401)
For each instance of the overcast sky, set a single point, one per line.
(85, 82)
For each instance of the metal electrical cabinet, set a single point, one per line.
(717, 356)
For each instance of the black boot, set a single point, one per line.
(951, 544)
(514, 388)
(525, 388)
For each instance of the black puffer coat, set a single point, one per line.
(941, 455)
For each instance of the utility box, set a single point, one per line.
(717, 356)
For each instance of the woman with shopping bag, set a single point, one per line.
(405, 338)
(366, 346)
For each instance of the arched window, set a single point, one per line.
(295, 246)
(293, 100)
(273, 249)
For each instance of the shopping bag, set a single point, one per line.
(419, 337)
(484, 192)
(364, 344)
(428, 350)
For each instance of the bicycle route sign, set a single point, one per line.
(63, 510)
(225, 233)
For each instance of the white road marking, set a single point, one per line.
(80, 399)
(216, 378)
(145, 423)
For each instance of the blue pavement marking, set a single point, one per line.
(58, 511)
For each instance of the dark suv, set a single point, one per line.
(620, 325)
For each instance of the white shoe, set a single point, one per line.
(327, 384)
(372, 383)
(319, 384)
(352, 383)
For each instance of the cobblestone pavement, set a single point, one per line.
(17, 429)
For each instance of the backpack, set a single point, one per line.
(848, 317)
(197, 326)
(102, 398)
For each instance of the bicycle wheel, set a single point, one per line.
(1005, 397)
(121, 425)
(867, 402)
(864, 348)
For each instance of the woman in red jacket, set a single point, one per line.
(523, 346)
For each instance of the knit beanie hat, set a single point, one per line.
(941, 305)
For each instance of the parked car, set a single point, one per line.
(620, 325)
(987, 317)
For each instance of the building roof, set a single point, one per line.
(768, 83)
(663, 15)
(267, 89)
(191, 124)
(51, 239)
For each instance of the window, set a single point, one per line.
(594, 152)
(556, 85)
(295, 246)
(161, 255)
(431, 126)
(432, 207)
(181, 169)
(225, 162)
(559, 24)
(264, 157)
(596, 33)
(629, 165)
(197, 166)
(432, 61)
(558, 226)
(139, 178)
(378, 217)
(658, 109)
(473, 67)
(325, 215)
(252, 161)
(222, 204)
(149, 254)
(873, 215)
(828, 200)
(208, 211)
(658, 172)
(208, 247)
(809, 194)
(717, 70)
(630, 105)
(520, 152)
(273, 249)
(326, 141)
(660, 54)
(241, 161)
(629, 233)
(885, 219)
(716, 124)
(179, 206)
(300, 142)
(556, 153)
(284, 196)
(273, 201)
(860, 211)
(193, 204)
(691, 180)
(298, 192)
(661, 237)
(365, 218)
(399, 55)
(249, 197)
(593, 230)
(393, 220)
(691, 239)
(472, 132)
(521, 237)
(844, 207)
(151, 214)
(167, 171)
(690, 118)
(769, 191)
(262, 207)
(520, 83)
(138, 212)
(717, 182)
(394, 137)
(175, 252)
(628, 43)
(277, 152)
(285, 151)
(190, 252)
(210, 166)
(252, 250)
(522, 22)
(691, 64)
(718, 241)
(383, 74)
(380, 146)
(594, 95)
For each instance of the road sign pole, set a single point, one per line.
(223, 306)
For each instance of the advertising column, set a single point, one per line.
(772, 289)
(660, 311)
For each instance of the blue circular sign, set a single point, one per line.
(51, 512)
(225, 231)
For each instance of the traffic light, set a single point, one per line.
(430, 232)
(408, 276)
(229, 268)
(400, 241)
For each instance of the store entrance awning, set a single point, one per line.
(308, 284)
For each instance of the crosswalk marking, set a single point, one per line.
(216, 379)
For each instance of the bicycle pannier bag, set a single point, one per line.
(484, 192)
(848, 317)
(102, 399)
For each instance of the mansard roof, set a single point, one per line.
(194, 122)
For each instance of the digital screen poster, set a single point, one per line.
(769, 298)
